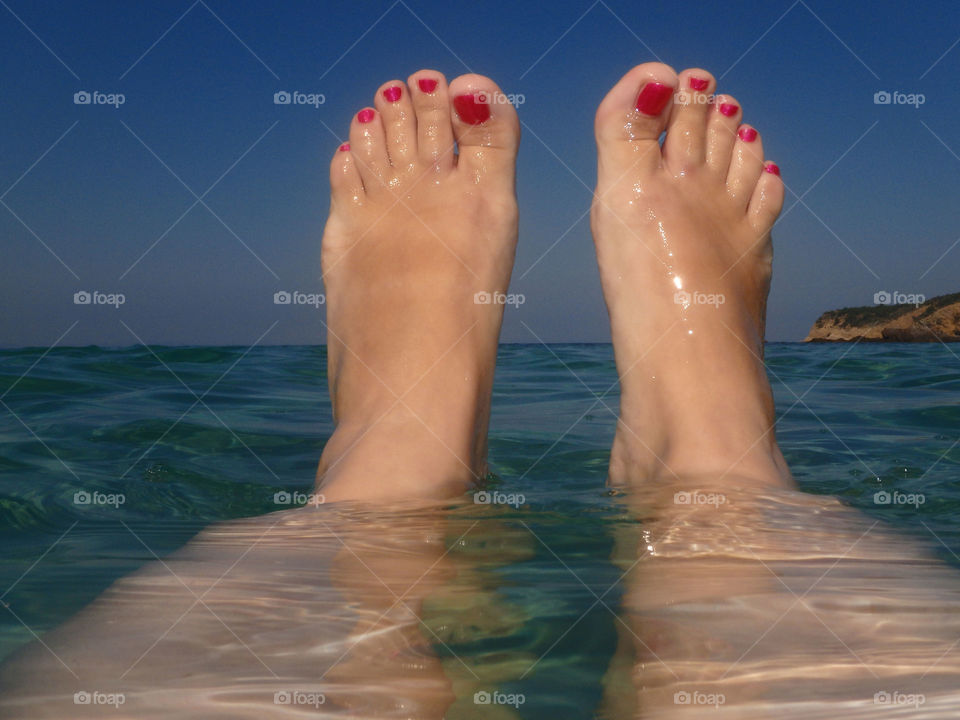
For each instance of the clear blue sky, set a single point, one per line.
(878, 183)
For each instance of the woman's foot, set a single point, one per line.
(417, 253)
(682, 233)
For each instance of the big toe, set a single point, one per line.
(486, 128)
(632, 116)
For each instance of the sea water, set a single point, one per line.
(550, 597)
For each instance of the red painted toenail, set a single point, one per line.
(392, 94)
(654, 98)
(472, 109)
(344, 147)
(365, 115)
(771, 168)
(747, 134)
(698, 83)
(728, 109)
(427, 85)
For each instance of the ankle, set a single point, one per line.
(398, 457)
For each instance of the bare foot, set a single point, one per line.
(417, 239)
(682, 234)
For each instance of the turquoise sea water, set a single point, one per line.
(192, 436)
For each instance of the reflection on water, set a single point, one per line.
(735, 604)
(306, 613)
(740, 604)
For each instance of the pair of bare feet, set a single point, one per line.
(417, 230)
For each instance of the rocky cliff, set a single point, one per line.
(937, 319)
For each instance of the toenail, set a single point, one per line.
(747, 134)
(393, 93)
(365, 115)
(473, 108)
(654, 98)
(344, 147)
(728, 109)
(771, 168)
(427, 85)
(698, 83)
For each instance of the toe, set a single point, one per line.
(368, 144)
(635, 111)
(346, 187)
(399, 125)
(685, 144)
(767, 199)
(722, 123)
(746, 164)
(428, 91)
(485, 126)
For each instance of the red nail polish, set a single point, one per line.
(771, 168)
(472, 109)
(728, 109)
(698, 83)
(392, 94)
(747, 134)
(427, 85)
(654, 98)
(344, 147)
(365, 115)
